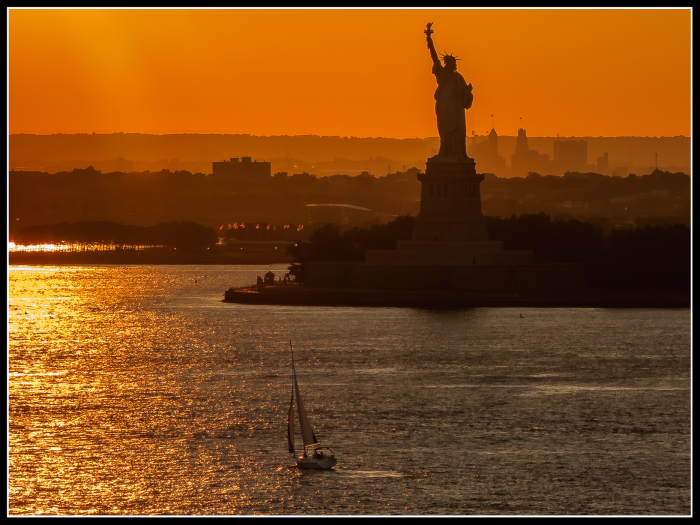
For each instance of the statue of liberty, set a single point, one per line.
(452, 96)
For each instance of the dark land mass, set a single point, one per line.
(644, 259)
(647, 266)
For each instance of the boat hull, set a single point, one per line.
(316, 463)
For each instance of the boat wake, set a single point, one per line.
(368, 473)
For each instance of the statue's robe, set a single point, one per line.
(452, 97)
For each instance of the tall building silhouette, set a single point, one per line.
(602, 164)
(486, 154)
(525, 159)
(570, 155)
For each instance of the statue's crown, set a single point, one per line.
(450, 57)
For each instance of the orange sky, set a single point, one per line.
(364, 73)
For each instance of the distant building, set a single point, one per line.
(602, 164)
(486, 155)
(244, 169)
(525, 160)
(570, 155)
(620, 171)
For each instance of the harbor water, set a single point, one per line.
(137, 391)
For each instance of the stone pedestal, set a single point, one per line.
(450, 229)
(450, 208)
(438, 253)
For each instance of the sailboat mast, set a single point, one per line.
(290, 415)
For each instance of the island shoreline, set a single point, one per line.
(300, 295)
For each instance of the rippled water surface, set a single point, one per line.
(135, 390)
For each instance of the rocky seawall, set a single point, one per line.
(300, 295)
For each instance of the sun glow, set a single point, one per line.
(347, 72)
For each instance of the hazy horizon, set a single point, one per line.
(349, 136)
(305, 153)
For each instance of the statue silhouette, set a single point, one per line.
(452, 96)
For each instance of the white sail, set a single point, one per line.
(307, 433)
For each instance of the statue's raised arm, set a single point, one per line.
(433, 54)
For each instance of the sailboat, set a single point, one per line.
(313, 456)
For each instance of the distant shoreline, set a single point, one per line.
(146, 257)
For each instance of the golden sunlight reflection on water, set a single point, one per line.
(135, 390)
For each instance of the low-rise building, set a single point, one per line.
(243, 169)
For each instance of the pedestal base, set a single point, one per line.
(437, 253)
(457, 278)
(450, 207)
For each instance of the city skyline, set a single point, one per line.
(356, 72)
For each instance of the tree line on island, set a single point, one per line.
(661, 198)
(649, 258)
